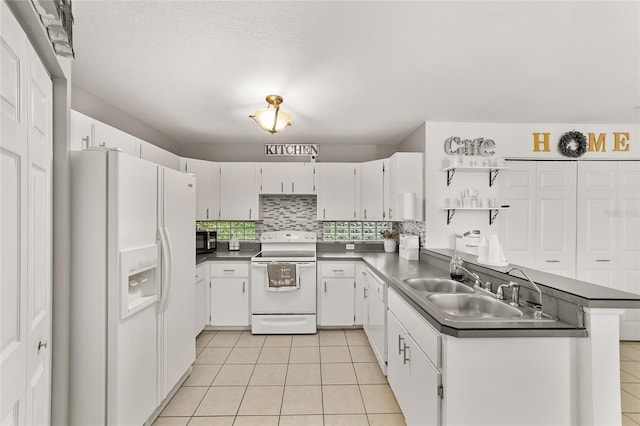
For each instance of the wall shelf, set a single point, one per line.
(493, 172)
(493, 212)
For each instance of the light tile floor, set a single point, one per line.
(630, 382)
(327, 379)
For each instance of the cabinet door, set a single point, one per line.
(202, 284)
(597, 239)
(300, 178)
(628, 243)
(406, 175)
(206, 179)
(396, 371)
(518, 225)
(337, 197)
(111, 137)
(81, 131)
(238, 195)
(422, 405)
(372, 190)
(335, 301)
(556, 221)
(229, 301)
(361, 278)
(273, 178)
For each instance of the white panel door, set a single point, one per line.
(206, 192)
(336, 302)
(178, 344)
(372, 190)
(39, 240)
(628, 243)
(273, 177)
(25, 229)
(556, 211)
(238, 195)
(300, 178)
(337, 196)
(518, 227)
(13, 220)
(596, 230)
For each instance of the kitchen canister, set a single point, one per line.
(389, 245)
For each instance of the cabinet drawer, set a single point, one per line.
(341, 270)
(427, 338)
(229, 269)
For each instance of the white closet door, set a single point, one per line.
(628, 243)
(556, 211)
(518, 225)
(597, 203)
(25, 229)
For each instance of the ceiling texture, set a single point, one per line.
(357, 72)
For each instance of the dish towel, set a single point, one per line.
(282, 277)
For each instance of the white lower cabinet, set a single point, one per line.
(412, 375)
(230, 294)
(202, 305)
(336, 294)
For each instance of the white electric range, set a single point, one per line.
(283, 283)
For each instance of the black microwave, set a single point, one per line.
(206, 241)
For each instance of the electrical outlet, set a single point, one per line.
(351, 246)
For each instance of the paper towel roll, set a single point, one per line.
(409, 206)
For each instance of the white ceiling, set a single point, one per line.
(358, 72)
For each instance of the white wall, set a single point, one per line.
(415, 142)
(512, 141)
(94, 107)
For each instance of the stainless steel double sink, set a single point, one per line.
(456, 301)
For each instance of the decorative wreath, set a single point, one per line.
(573, 144)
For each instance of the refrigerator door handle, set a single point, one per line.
(169, 281)
(167, 272)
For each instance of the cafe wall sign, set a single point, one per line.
(477, 147)
(574, 144)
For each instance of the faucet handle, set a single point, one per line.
(515, 294)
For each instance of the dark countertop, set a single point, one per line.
(389, 267)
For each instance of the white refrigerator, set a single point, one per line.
(132, 286)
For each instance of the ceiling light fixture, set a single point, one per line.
(271, 118)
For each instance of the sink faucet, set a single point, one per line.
(537, 314)
(476, 278)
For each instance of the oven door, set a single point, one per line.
(301, 300)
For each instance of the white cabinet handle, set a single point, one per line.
(603, 260)
(325, 286)
(324, 213)
(337, 270)
(281, 186)
(228, 270)
(390, 210)
(365, 292)
(400, 343)
(42, 344)
(365, 213)
(405, 358)
(552, 261)
(207, 213)
(249, 213)
(292, 187)
(244, 286)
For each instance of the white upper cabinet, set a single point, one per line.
(406, 176)
(110, 137)
(286, 178)
(238, 196)
(81, 131)
(372, 190)
(206, 186)
(157, 155)
(338, 191)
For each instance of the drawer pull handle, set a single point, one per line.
(228, 270)
(400, 343)
(405, 358)
(552, 261)
(337, 270)
(603, 260)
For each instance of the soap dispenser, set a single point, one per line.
(454, 267)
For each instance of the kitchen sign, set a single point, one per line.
(619, 142)
(291, 149)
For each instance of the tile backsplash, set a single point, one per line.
(290, 212)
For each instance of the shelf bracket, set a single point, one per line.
(450, 214)
(492, 215)
(493, 174)
(450, 174)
